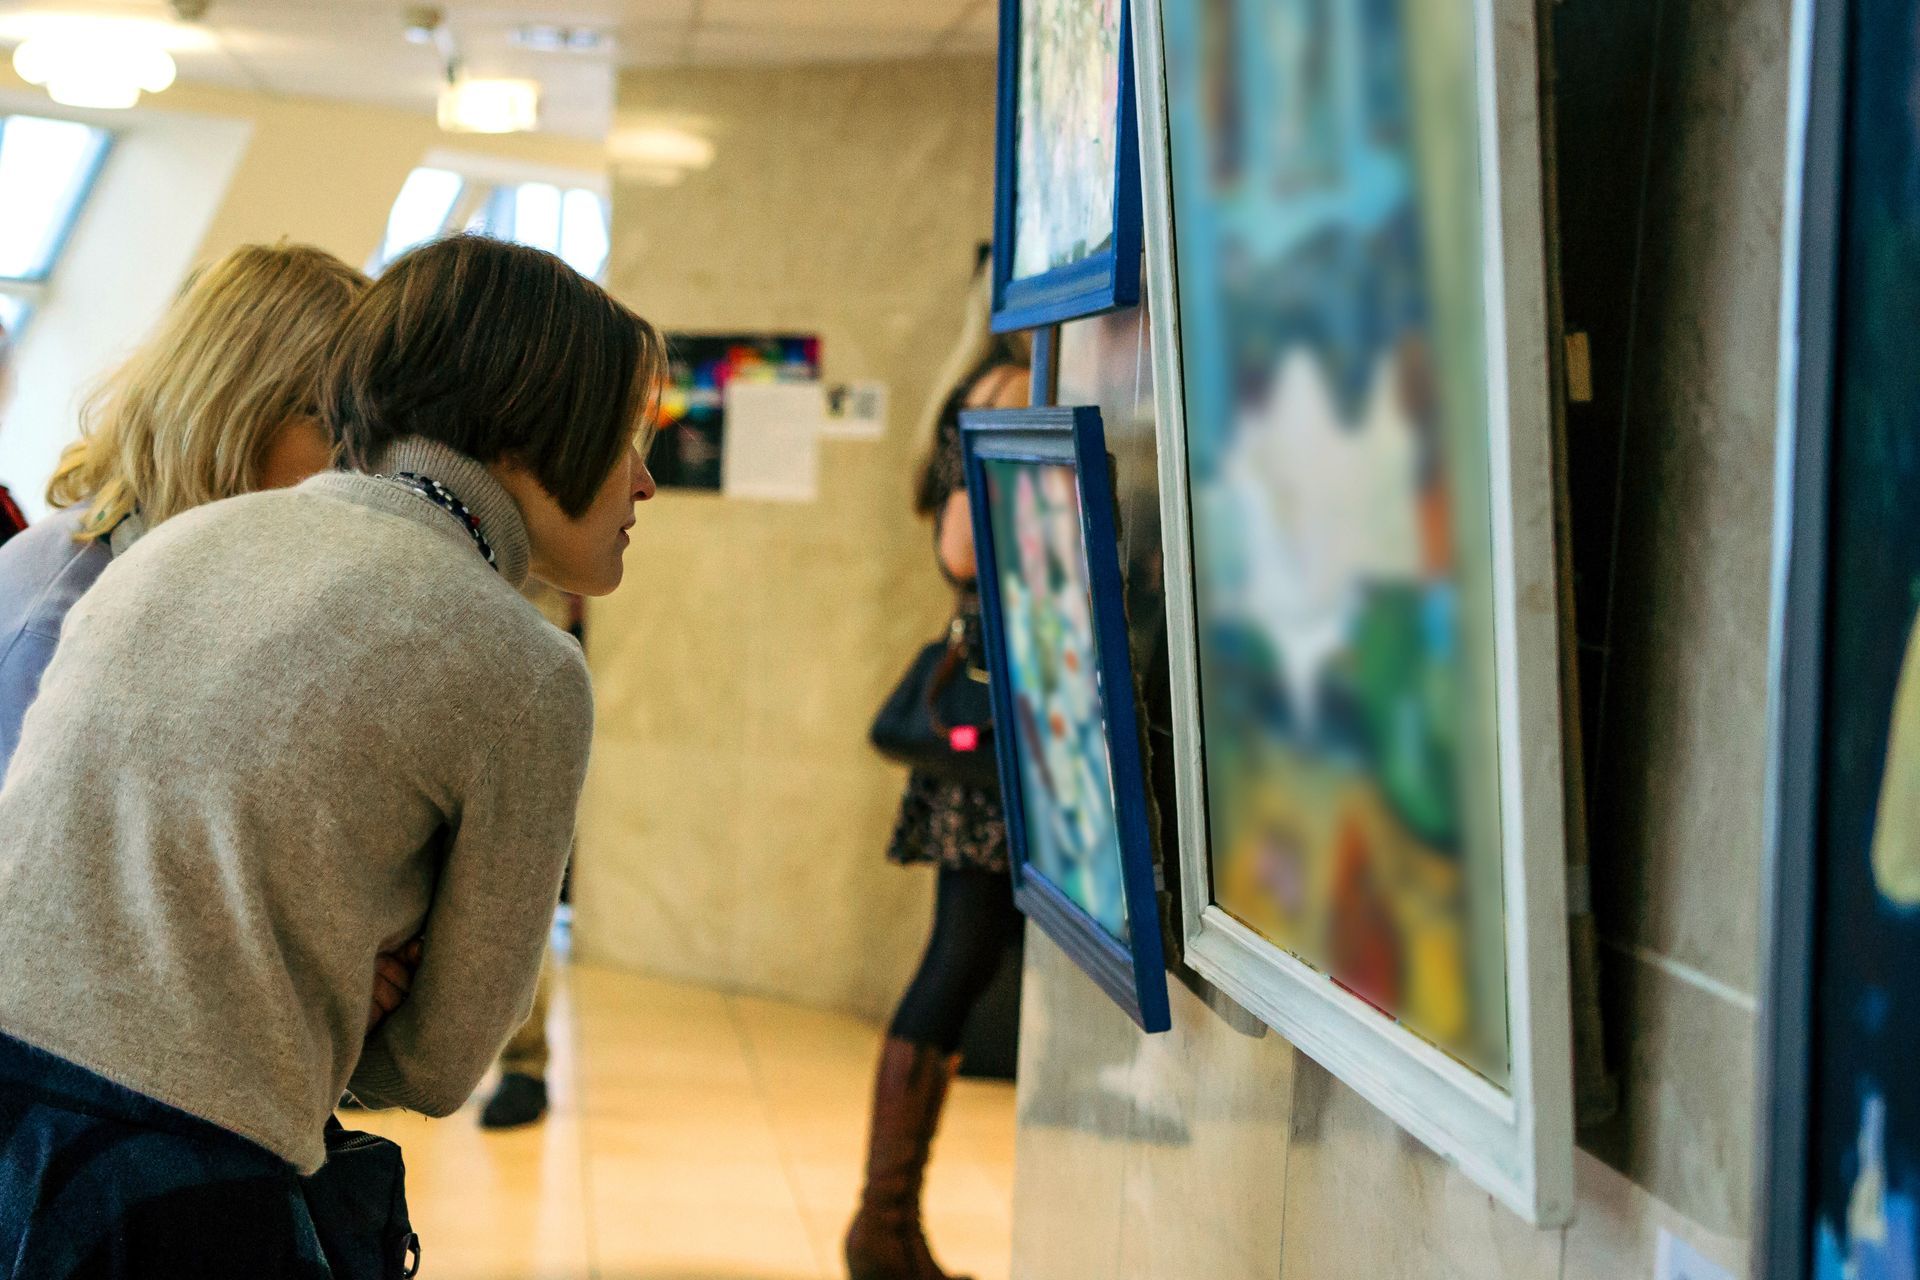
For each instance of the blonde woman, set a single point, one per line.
(220, 401)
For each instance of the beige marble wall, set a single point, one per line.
(1205, 1153)
(735, 820)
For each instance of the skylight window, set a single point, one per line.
(569, 221)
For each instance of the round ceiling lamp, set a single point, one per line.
(101, 65)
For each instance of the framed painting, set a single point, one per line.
(1345, 245)
(1838, 1178)
(1071, 775)
(1067, 187)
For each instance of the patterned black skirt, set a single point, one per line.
(98, 1182)
(949, 824)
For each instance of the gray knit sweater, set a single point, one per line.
(283, 733)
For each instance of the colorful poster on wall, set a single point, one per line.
(1060, 742)
(689, 442)
(1864, 1196)
(1327, 230)
(1067, 132)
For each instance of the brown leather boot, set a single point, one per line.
(886, 1241)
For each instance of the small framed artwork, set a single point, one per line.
(1067, 191)
(1344, 226)
(1071, 775)
(1837, 1189)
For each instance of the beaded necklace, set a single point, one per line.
(441, 496)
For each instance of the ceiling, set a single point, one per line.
(355, 49)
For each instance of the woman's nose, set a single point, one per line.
(643, 485)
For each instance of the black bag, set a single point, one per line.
(940, 718)
(358, 1203)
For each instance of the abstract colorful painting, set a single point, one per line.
(1864, 1148)
(1327, 229)
(1046, 610)
(1068, 132)
(689, 440)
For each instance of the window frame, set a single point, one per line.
(486, 181)
(33, 291)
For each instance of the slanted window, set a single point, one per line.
(421, 212)
(569, 221)
(47, 170)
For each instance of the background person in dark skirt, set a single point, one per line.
(960, 830)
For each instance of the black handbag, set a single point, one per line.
(358, 1203)
(940, 717)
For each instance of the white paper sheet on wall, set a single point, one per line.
(856, 411)
(773, 441)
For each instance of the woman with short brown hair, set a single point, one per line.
(285, 734)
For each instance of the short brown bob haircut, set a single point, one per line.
(498, 351)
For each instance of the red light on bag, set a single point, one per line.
(964, 737)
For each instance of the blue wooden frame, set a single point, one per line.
(1106, 281)
(1134, 973)
(1785, 1099)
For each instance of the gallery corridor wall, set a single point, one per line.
(735, 819)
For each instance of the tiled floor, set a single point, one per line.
(694, 1136)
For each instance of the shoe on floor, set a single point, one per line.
(520, 1100)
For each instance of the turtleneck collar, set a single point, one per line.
(471, 482)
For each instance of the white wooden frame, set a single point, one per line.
(1517, 1142)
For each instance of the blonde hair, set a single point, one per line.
(188, 419)
(972, 347)
(977, 351)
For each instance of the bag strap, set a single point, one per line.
(950, 665)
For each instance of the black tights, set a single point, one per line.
(973, 921)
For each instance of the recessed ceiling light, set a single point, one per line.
(490, 106)
(547, 37)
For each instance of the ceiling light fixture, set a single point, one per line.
(660, 146)
(489, 106)
(100, 64)
(547, 37)
(427, 24)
